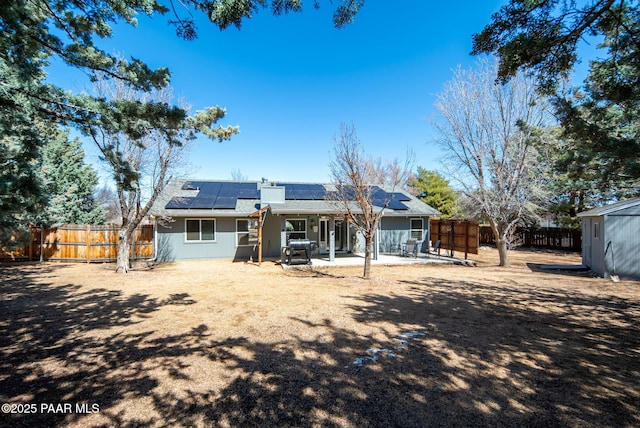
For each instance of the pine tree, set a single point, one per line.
(604, 116)
(433, 189)
(69, 183)
(601, 119)
(36, 32)
(21, 194)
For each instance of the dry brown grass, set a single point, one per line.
(234, 344)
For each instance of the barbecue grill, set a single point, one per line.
(298, 248)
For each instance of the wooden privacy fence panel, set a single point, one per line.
(456, 235)
(82, 243)
(547, 237)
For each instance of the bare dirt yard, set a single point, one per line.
(233, 344)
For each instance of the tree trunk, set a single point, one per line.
(367, 257)
(503, 252)
(124, 247)
(501, 243)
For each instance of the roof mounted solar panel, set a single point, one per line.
(178, 203)
(290, 192)
(304, 192)
(229, 190)
(297, 194)
(225, 202)
(377, 192)
(399, 196)
(209, 188)
(202, 203)
(391, 204)
(248, 191)
(248, 194)
(378, 202)
(189, 186)
(380, 198)
(317, 192)
(397, 205)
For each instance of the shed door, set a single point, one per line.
(586, 241)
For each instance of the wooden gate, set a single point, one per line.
(456, 235)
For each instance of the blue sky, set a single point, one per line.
(289, 81)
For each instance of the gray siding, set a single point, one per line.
(394, 231)
(172, 244)
(624, 233)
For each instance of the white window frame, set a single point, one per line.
(596, 230)
(248, 232)
(412, 230)
(199, 240)
(289, 232)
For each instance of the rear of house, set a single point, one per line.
(611, 237)
(218, 220)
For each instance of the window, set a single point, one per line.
(416, 229)
(596, 230)
(200, 230)
(246, 232)
(296, 228)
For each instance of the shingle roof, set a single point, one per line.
(611, 208)
(237, 199)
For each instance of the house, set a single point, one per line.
(611, 234)
(218, 219)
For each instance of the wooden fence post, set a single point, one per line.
(133, 244)
(466, 239)
(30, 257)
(88, 243)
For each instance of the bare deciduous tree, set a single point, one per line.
(354, 176)
(394, 173)
(491, 133)
(237, 175)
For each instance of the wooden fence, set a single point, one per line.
(547, 237)
(81, 243)
(455, 235)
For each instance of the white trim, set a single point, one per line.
(288, 233)
(411, 229)
(609, 209)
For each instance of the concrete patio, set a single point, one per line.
(383, 260)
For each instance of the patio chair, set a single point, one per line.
(436, 248)
(410, 248)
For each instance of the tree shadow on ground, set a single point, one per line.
(474, 355)
(55, 349)
(542, 356)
